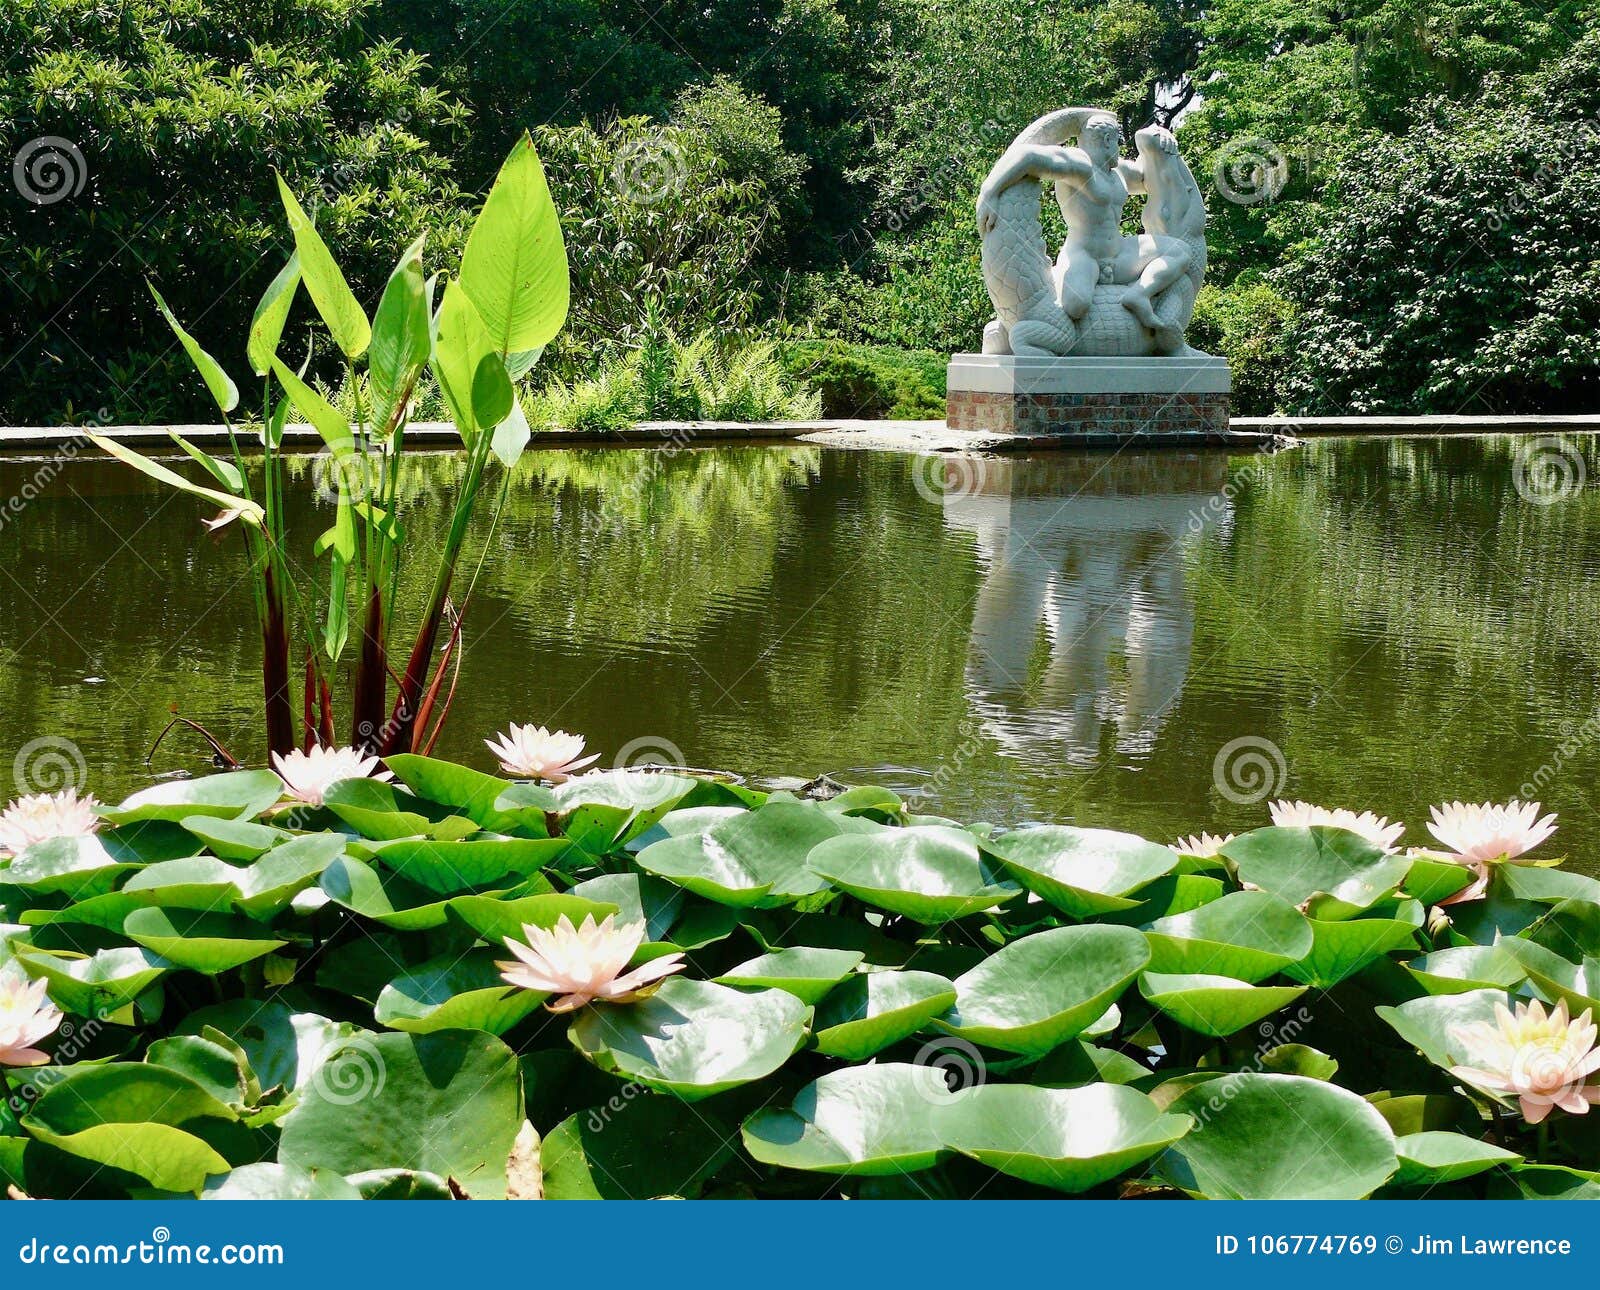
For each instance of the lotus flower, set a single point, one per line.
(1478, 833)
(41, 816)
(26, 1017)
(1374, 828)
(309, 775)
(1545, 1060)
(1201, 844)
(584, 964)
(533, 752)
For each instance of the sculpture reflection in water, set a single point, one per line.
(1083, 627)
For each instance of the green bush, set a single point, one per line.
(870, 382)
(1245, 321)
(173, 116)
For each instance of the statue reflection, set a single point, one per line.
(1082, 630)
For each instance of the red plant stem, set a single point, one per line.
(371, 676)
(308, 723)
(275, 667)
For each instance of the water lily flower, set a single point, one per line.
(584, 964)
(1376, 829)
(41, 816)
(308, 775)
(26, 1017)
(1545, 1060)
(1203, 845)
(1480, 832)
(534, 752)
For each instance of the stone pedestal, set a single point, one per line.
(1092, 400)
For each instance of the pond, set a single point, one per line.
(1142, 641)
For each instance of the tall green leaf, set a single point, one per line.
(330, 423)
(400, 332)
(466, 365)
(266, 327)
(347, 321)
(248, 510)
(221, 385)
(515, 265)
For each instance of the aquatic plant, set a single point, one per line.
(477, 333)
(715, 991)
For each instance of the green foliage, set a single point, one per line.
(1245, 322)
(335, 1023)
(179, 112)
(870, 381)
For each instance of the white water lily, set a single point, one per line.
(1544, 1060)
(1484, 831)
(534, 752)
(26, 1017)
(1376, 829)
(39, 817)
(584, 964)
(1203, 845)
(308, 775)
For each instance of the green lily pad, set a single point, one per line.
(1428, 1159)
(283, 1048)
(673, 919)
(267, 1181)
(1341, 949)
(693, 1038)
(1084, 872)
(455, 992)
(929, 873)
(803, 971)
(98, 984)
(1431, 881)
(872, 1010)
(1560, 979)
(1248, 935)
(1430, 1024)
(1460, 968)
(234, 839)
(234, 795)
(208, 943)
(756, 858)
(1215, 1005)
(378, 810)
(448, 1103)
(383, 896)
(1279, 1137)
(449, 868)
(640, 1148)
(868, 1120)
(464, 791)
(1330, 873)
(494, 918)
(1046, 988)
(1069, 1139)
(78, 867)
(603, 811)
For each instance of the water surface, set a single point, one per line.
(1127, 640)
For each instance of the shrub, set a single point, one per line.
(1246, 322)
(870, 382)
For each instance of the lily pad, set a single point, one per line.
(673, 919)
(929, 873)
(1084, 872)
(98, 984)
(1279, 1137)
(872, 1010)
(380, 811)
(494, 918)
(693, 1038)
(642, 1147)
(77, 867)
(208, 943)
(1046, 988)
(1559, 978)
(1248, 935)
(267, 1181)
(449, 868)
(1460, 968)
(1215, 1005)
(803, 971)
(234, 839)
(383, 896)
(1431, 881)
(1341, 949)
(455, 992)
(1429, 1159)
(1069, 1139)
(756, 858)
(1330, 873)
(234, 795)
(464, 791)
(1430, 1024)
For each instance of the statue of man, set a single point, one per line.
(1092, 183)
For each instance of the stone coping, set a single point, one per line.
(1009, 374)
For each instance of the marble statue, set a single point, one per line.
(1107, 294)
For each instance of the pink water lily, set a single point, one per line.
(308, 775)
(1203, 845)
(534, 752)
(584, 964)
(1376, 829)
(1479, 832)
(26, 1017)
(1544, 1060)
(39, 817)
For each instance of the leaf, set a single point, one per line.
(636, 1148)
(693, 1038)
(453, 867)
(454, 992)
(401, 333)
(221, 385)
(514, 267)
(1046, 988)
(461, 350)
(1329, 873)
(267, 1181)
(209, 943)
(1248, 934)
(872, 1010)
(511, 436)
(249, 512)
(329, 422)
(804, 972)
(1084, 872)
(1560, 979)
(98, 984)
(346, 321)
(234, 795)
(1341, 949)
(266, 327)
(931, 873)
(1279, 1137)
(1431, 1159)
(468, 792)
(1214, 1005)
(1431, 1024)
(1460, 968)
(224, 472)
(448, 1103)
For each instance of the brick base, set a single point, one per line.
(1094, 417)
